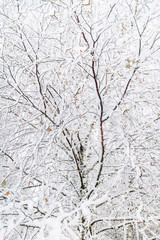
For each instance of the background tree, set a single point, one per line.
(79, 98)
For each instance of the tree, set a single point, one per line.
(79, 119)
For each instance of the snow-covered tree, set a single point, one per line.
(79, 119)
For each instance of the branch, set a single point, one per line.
(101, 127)
(124, 93)
(84, 37)
(29, 225)
(6, 154)
(76, 160)
(110, 228)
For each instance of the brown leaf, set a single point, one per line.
(49, 129)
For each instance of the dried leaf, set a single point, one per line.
(128, 66)
(126, 111)
(87, 4)
(3, 184)
(49, 129)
